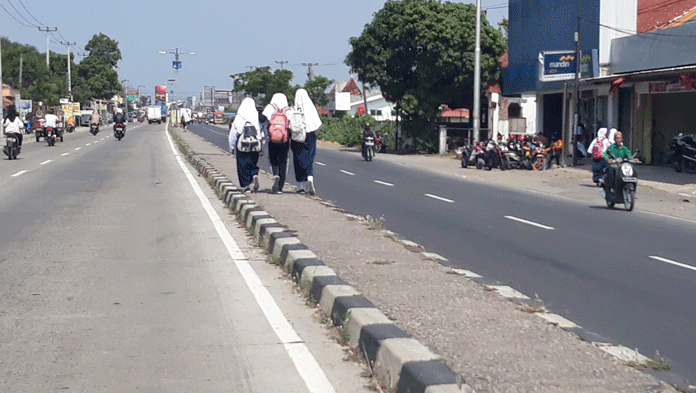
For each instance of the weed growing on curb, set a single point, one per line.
(373, 223)
(656, 363)
(342, 328)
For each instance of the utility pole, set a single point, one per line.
(21, 65)
(576, 97)
(364, 96)
(47, 30)
(477, 76)
(310, 73)
(69, 73)
(281, 63)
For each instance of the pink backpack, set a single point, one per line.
(278, 128)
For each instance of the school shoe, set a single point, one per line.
(276, 185)
(256, 183)
(247, 190)
(310, 186)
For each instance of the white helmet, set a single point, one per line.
(119, 110)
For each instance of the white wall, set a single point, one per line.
(529, 111)
(621, 15)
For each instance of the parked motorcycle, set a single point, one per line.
(369, 148)
(94, 129)
(380, 147)
(623, 189)
(473, 155)
(50, 136)
(11, 148)
(119, 131)
(683, 151)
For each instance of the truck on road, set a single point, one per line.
(154, 114)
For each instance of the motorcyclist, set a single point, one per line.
(367, 133)
(13, 125)
(94, 120)
(51, 120)
(70, 123)
(120, 118)
(615, 153)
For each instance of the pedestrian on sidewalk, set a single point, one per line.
(303, 153)
(279, 113)
(246, 144)
(599, 165)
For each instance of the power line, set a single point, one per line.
(20, 14)
(30, 14)
(12, 16)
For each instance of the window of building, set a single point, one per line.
(376, 112)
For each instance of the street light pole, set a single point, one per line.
(477, 76)
(69, 73)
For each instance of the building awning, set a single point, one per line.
(642, 76)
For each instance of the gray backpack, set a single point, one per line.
(249, 140)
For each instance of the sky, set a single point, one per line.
(227, 37)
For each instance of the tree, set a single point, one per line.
(503, 27)
(316, 88)
(96, 75)
(421, 54)
(261, 84)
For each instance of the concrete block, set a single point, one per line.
(291, 247)
(417, 376)
(275, 235)
(394, 353)
(280, 242)
(234, 199)
(261, 221)
(343, 305)
(245, 208)
(268, 232)
(331, 292)
(241, 202)
(449, 388)
(360, 317)
(372, 335)
(320, 282)
(251, 214)
(310, 272)
(304, 257)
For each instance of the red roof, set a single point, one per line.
(659, 14)
(459, 112)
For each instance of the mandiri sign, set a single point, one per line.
(557, 65)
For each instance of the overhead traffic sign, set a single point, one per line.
(131, 98)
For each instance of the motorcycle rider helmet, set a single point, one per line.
(119, 110)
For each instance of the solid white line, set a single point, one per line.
(319, 163)
(78, 148)
(529, 222)
(65, 154)
(439, 198)
(46, 162)
(665, 260)
(20, 173)
(307, 366)
(347, 173)
(384, 183)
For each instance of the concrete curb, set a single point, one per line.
(397, 360)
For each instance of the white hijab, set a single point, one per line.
(246, 113)
(311, 115)
(280, 100)
(612, 132)
(602, 133)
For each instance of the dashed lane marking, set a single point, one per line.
(320, 163)
(88, 144)
(347, 173)
(78, 148)
(439, 198)
(675, 263)
(532, 223)
(96, 141)
(65, 154)
(46, 162)
(20, 173)
(384, 183)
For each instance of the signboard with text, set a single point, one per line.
(557, 65)
(161, 94)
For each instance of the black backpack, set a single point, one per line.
(249, 139)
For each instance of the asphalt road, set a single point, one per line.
(118, 274)
(629, 277)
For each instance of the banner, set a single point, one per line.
(557, 65)
(71, 109)
(161, 94)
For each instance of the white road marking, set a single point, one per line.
(347, 173)
(439, 198)
(305, 363)
(675, 263)
(65, 154)
(78, 148)
(46, 162)
(96, 141)
(20, 173)
(319, 163)
(685, 195)
(529, 222)
(384, 183)
(88, 144)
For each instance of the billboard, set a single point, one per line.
(161, 94)
(557, 65)
(71, 109)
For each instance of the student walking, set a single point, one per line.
(246, 143)
(304, 125)
(279, 113)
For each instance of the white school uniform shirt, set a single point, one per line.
(13, 126)
(51, 120)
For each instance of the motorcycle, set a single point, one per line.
(69, 128)
(539, 158)
(368, 148)
(50, 136)
(119, 131)
(623, 189)
(683, 153)
(94, 129)
(11, 148)
(473, 155)
(379, 145)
